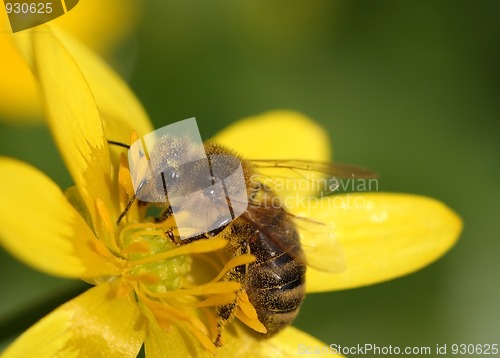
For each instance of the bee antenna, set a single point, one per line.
(119, 144)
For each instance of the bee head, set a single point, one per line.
(178, 168)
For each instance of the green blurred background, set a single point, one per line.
(407, 88)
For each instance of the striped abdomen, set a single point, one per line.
(275, 283)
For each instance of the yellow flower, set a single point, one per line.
(147, 290)
(100, 24)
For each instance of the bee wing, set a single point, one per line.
(307, 178)
(320, 249)
(319, 245)
(338, 170)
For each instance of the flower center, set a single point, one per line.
(160, 275)
(173, 284)
(164, 276)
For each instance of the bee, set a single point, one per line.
(259, 222)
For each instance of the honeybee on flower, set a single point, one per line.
(150, 289)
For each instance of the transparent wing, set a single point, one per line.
(302, 178)
(338, 170)
(320, 249)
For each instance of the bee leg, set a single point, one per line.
(130, 202)
(205, 235)
(168, 211)
(127, 208)
(165, 215)
(225, 313)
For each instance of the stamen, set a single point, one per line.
(202, 338)
(165, 312)
(122, 289)
(208, 289)
(235, 262)
(246, 313)
(105, 227)
(137, 247)
(200, 246)
(254, 324)
(211, 319)
(125, 182)
(99, 247)
(139, 229)
(134, 136)
(147, 278)
(163, 309)
(215, 300)
(157, 268)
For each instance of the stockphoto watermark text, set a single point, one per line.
(312, 193)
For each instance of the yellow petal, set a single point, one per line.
(120, 109)
(277, 135)
(290, 342)
(4, 23)
(160, 343)
(99, 24)
(238, 341)
(18, 92)
(42, 229)
(73, 115)
(383, 236)
(94, 324)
